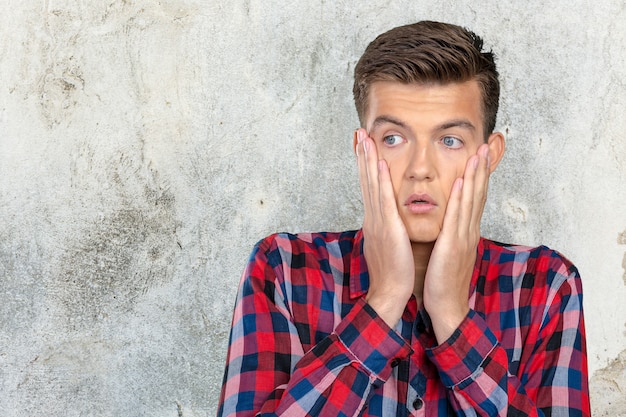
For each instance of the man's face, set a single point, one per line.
(426, 133)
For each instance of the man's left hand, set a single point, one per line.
(446, 286)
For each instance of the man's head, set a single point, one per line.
(428, 97)
(428, 53)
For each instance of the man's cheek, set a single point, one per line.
(448, 190)
(460, 169)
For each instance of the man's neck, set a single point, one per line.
(421, 256)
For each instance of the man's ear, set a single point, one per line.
(496, 150)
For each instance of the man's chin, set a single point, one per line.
(423, 230)
(423, 241)
(423, 237)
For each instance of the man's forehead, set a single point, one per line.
(395, 102)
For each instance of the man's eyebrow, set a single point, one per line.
(462, 123)
(380, 120)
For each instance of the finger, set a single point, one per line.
(387, 196)
(363, 177)
(366, 178)
(371, 165)
(467, 197)
(480, 187)
(453, 208)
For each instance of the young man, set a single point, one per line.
(414, 314)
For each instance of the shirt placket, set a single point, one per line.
(402, 368)
(420, 368)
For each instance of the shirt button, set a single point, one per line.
(395, 362)
(418, 403)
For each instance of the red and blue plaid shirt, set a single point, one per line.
(305, 343)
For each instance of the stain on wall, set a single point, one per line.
(119, 257)
(608, 389)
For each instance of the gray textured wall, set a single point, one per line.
(145, 146)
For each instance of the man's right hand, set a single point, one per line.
(386, 246)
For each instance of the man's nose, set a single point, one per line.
(421, 163)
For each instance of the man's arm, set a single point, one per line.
(386, 246)
(552, 376)
(268, 372)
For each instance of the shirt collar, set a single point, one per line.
(359, 277)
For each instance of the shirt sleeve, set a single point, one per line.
(552, 378)
(268, 373)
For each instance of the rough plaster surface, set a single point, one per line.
(609, 385)
(145, 146)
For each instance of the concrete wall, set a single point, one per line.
(145, 146)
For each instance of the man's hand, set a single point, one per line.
(387, 247)
(446, 286)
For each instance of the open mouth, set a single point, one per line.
(420, 199)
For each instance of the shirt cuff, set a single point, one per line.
(460, 358)
(371, 341)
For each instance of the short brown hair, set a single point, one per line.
(428, 52)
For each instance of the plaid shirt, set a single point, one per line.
(305, 343)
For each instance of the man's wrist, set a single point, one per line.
(388, 308)
(445, 323)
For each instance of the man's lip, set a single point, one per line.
(420, 198)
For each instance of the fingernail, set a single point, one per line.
(359, 136)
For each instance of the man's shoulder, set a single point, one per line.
(322, 244)
(314, 260)
(523, 259)
(312, 239)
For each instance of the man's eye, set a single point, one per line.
(392, 140)
(452, 142)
